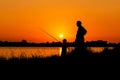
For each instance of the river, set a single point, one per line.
(29, 52)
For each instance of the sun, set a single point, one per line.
(61, 36)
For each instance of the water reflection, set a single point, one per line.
(29, 52)
(99, 49)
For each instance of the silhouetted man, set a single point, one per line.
(79, 41)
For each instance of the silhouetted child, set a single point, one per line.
(79, 41)
(64, 48)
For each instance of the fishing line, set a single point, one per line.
(49, 35)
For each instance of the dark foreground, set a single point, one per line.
(75, 57)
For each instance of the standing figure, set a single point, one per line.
(64, 48)
(79, 41)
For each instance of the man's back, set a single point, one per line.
(80, 35)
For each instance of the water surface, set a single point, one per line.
(29, 52)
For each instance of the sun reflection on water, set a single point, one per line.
(29, 52)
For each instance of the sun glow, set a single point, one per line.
(54, 20)
(61, 36)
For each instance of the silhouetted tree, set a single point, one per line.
(24, 41)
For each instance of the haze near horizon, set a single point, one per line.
(25, 19)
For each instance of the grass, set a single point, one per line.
(75, 57)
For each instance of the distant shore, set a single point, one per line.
(24, 43)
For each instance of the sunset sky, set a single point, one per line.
(33, 19)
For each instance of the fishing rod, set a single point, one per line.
(50, 35)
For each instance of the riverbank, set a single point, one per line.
(75, 57)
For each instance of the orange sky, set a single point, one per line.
(24, 19)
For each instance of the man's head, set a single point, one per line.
(79, 23)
